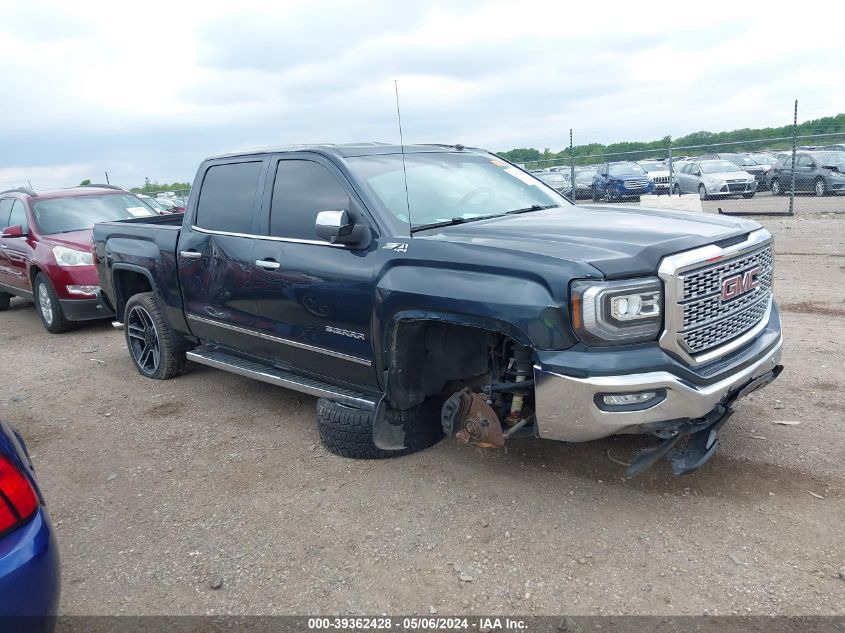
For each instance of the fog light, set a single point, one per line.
(83, 290)
(624, 399)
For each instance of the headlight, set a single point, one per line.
(72, 257)
(616, 312)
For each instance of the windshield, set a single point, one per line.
(77, 213)
(553, 179)
(446, 186)
(764, 159)
(717, 167)
(830, 159)
(742, 161)
(652, 165)
(154, 204)
(625, 169)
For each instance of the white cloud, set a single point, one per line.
(149, 89)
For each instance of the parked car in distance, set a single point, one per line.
(622, 180)
(153, 203)
(171, 205)
(468, 300)
(45, 249)
(584, 182)
(557, 181)
(30, 580)
(838, 147)
(658, 171)
(818, 172)
(714, 178)
(744, 162)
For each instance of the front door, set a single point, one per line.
(315, 299)
(16, 250)
(215, 255)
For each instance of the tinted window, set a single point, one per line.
(5, 209)
(18, 216)
(227, 196)
(302, 189)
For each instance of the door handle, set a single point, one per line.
(190, 254)
(268, 264)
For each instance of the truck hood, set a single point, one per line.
(619, 241)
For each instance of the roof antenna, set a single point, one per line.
(402, 147)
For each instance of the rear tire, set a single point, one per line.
(348, 432)
(150, 340)
(5, 300)
(48, 306)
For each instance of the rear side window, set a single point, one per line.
(5, 210)
(302, 189)
(227, 196)
(18, 216)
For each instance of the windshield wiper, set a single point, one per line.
(533, 207)
(452, 222)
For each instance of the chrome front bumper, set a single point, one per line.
(567, 407)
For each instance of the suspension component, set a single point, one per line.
(521, 366)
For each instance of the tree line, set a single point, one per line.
(733, 141)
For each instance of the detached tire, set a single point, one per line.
(150, 339)
(348, 432)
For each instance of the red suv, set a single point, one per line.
(45, 249)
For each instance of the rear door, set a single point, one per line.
(315, 299)
(214, 255)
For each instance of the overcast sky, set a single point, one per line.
(151, 89)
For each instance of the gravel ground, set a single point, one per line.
(211, 493)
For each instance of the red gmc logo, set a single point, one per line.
(737, 285)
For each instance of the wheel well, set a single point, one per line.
(33, 273)
(426, 358)
(128, 283)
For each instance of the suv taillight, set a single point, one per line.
(18, 501)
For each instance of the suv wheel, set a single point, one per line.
(48, 306)
(150, 339)
(5, 300)
(820, 188)
(348, 432)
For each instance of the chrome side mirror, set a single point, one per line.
(334, 226)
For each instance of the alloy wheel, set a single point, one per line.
(143, 340)
(820, 187)
(45, 304)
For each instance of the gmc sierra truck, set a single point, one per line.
(432, 289)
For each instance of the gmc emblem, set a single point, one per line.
(733, 287)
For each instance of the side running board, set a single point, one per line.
(214, 357)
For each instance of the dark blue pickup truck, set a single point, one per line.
(431, 290)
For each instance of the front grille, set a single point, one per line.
(635, 184)
(709, 322)
(661, 179)
(737, 186)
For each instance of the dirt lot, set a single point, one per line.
(160, 490)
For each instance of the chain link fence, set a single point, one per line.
(765, 176)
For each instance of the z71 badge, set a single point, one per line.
(399, 247)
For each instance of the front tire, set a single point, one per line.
(5, 301)
(702, 192)
(776, 188)
(48, 306)
(820, 188)
(150, 340)
(348, 432)
(676, 190)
